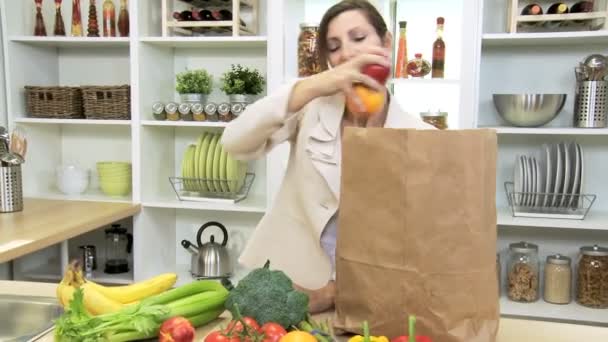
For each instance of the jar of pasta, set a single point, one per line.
(558, 280)
(522, 272)
(592, 277)
(308, 51)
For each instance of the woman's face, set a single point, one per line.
(349, 34)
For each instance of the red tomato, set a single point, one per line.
(272, 332)
(378, 72)
(237, 326)
(176, 329)
(219, 336)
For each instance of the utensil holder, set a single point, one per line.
(590, 107)
(11, 192)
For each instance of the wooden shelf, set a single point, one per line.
(183, 123)
(549, 130)
(252, 204)
(90, 195)
(216, 42)
(72, 41)
(73, 122)
(595, 220)
(545, 38)
(540, 309)
(562, 17)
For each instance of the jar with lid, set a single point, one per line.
(158, 111)
(522, 272)
(418, 67)
(211, 111)
(198, 112)
(223, 111)
(558, 280)
(592, 277)
(171, 109)
(438, 118)
(308, 50)
(185, 111)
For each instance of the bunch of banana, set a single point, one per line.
(99, 299)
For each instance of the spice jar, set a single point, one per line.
(158, 111)
(198, 112)
(171, 110)
(438, 119)
(223, 111)
(211, 111)
(522, 272)
(184, 112)
(418, 67)
(592, 277)
(308, 51)
(558, 279)
(236, 109)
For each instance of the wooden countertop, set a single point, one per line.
(44, 222)
(511, 330)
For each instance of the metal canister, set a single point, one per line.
(223, 110)
(198, 112)
(171, 109)
(211, 111)
(158, 111)
(184, 112)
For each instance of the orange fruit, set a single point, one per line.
(298, 336)
(372, 100)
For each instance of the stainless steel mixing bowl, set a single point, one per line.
(529, 110)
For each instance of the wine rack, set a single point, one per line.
(587, 21)
(237, 26)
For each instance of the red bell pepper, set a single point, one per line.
(412, 333)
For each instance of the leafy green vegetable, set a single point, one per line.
(194, 82)
(268, 296)
(242, 81)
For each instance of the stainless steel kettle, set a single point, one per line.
(211, 259)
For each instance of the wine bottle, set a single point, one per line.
(183, 16)
(438, 63)
(531, 9)
(556, 8)
(109, 19)
(581, 7)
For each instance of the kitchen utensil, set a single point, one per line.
(89, 258)
(591, 104)
(11, 191)
(11, 158)
(597, 65)
(18, 142)
(118, 247)
(211, 259)
(4, 140)
(529, 110)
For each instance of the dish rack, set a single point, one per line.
(180, 186)
(581, 204)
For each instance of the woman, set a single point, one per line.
(298, 234)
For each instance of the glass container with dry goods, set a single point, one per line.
(558, 280)
(522, 272)
(438, 119)
(308, 51)
(198, 112)
(211, 111)
(592, 277)
(184, 111)
(418, 67)
(171, 110)
(158, 111)
(223, 111)
(109, 19)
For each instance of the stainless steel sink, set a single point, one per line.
(24, 317)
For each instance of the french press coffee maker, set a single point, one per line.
(118, 248)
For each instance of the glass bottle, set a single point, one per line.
(531, 9)
(582, 7)
(556, 8)
(439, 51)
(522, 272)
(123, 19)
(402, 51)
(93, 25)
(59, 26)
(109, 19)
(592, 277)
(39, 29)
(76, 19)
(418, 67)
(308, 52)
(558, 280)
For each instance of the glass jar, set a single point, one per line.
(185, 111)
(438, 119)
(558, 280)
(211, 111)
(198, 112)
(158, 111)
(308, 50)
(223, 112)
(418, 67)
(522, 272)
(171, 109)
(592, 277)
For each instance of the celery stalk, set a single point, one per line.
(184, 291)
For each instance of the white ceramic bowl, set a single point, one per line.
(72, 180)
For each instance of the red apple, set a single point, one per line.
(378, 72)
(176, 329)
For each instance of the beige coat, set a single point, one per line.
(289, 234)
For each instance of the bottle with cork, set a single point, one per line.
(438, 63)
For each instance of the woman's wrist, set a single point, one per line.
(303, 92)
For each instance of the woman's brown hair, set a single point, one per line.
(371, 13)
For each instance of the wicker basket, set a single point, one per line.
(107, 102)
(54, 102)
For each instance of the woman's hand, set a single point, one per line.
(320, 300)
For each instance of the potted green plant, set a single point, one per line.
(194, 85)
(242, 83)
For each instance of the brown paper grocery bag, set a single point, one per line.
(417, 233)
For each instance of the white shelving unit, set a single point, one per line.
(72, 122)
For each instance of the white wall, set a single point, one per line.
(3, 117)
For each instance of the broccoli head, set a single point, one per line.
(268, 296)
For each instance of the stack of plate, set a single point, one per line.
(207, 168)
(554, 180)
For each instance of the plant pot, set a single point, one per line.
(193, 98)
(240, 98)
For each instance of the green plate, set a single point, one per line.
(197, 153)
(189, 167)
(216, 167)
(223, 160)
(202, 161)
(235, 173)
(209, 163)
